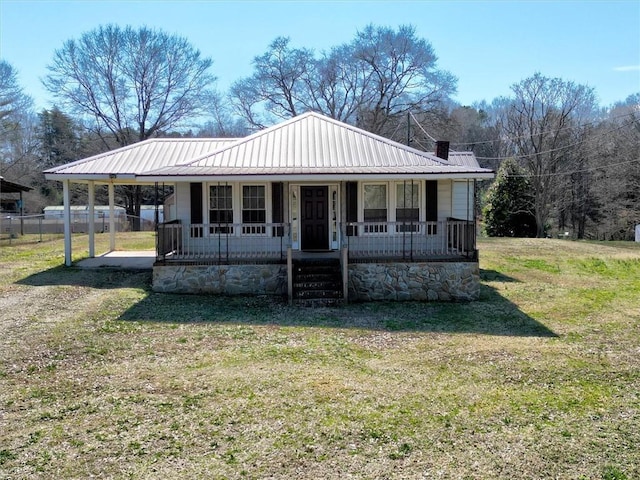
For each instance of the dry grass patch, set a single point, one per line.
(539, 379)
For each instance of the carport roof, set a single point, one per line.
(10, 187)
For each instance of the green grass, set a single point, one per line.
(539, 379)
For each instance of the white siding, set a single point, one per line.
(183, 202)
(444, 199)
(462, 200)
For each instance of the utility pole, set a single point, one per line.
(408, 129)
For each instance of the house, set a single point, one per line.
(309, 208)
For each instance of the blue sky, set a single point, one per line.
(488, 45)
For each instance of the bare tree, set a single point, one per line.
(541, 120)
(276, 85)
(617, 176)
(401, 75)
(380, 75)
(18, 143)
(12, 99)
(133, 84)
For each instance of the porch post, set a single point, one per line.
(112, 218)
(91, 219)
(66, 199)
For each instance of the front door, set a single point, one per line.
(315, 218)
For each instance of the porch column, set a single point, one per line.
(21, 214)
(112, 218)
(91, 218)
(66, 199)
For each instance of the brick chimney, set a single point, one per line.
(442, 149)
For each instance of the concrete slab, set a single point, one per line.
(134, 260)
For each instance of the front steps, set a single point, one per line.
(317, 282)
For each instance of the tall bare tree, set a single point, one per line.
(131, 83)
(402, 75)
(541, 120)
(18, 143)
(378, 76)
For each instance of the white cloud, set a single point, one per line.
(628, 68)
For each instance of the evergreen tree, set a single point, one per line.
(509, 208)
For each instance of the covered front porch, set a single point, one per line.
(374, 261)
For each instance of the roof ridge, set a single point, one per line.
(319, 116)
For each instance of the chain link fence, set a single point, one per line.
(16, 229)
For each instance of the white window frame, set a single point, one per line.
(421, 212)
(255, 229)
(375, 229)
(211, 231)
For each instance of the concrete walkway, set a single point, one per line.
(134, 260)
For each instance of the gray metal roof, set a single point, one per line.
(140, 157)
(313, 144)
(463, 159)
(309, 144)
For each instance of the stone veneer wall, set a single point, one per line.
(269, 279)
(431, 281)
(434, 281)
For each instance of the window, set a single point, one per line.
(407, 207)
(254, 209)
(221, 209)
(375, 208)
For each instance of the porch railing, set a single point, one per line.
(223, 243)
(268, 242)
(410, 241)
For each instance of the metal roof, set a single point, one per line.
(463, 159)
(309, 144)
(10, 187)
(140, 157)
(315, 144)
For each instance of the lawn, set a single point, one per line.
(540, 378)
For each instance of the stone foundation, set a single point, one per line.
(429, 281)
(221, 279)
(432, 281)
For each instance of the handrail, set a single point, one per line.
(223, 242)
(409, 240)
(268, 242)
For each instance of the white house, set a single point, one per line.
(310, 207)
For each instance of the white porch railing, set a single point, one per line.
(409, 240)
(222, 243)
(268, 242)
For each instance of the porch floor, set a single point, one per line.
(133, 260)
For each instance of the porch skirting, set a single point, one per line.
(395, 281)
(267, 279)
(425, 281)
